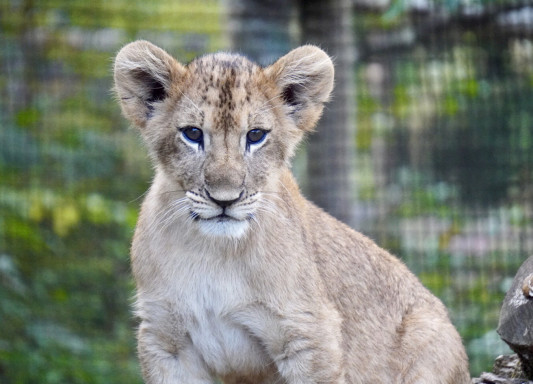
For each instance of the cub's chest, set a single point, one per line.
(213, 296)
(226, 346)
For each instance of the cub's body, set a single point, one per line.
(238, 276)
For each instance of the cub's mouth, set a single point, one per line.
(222, 226)
(222, 218)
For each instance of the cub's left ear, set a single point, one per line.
(144, 76)
(304, 78)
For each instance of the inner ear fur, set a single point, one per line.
(304, 78)
(143, 75)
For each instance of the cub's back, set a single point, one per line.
(380, 300)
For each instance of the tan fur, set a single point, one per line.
(238, 276)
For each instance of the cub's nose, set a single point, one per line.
(223, 203)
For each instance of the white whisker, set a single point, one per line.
(165, 218)
(192, 102)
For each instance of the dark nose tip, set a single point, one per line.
(223, 203)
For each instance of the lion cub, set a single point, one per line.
(238, 276)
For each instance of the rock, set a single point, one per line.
(506, 370)
(516, 316)
(508, 366)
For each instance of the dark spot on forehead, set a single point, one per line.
(225, 120)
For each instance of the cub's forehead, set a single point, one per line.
(228, 74)
(223, 67)
(226, 88)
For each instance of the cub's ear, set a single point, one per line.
(144, 75)
(304, 78)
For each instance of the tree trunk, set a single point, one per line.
(331, 148)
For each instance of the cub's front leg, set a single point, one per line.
(167, 356)
(304, 344)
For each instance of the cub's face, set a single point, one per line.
(222, 141)
(221, 129)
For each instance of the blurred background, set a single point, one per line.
(427, 147)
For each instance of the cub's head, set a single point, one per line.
(221, 129)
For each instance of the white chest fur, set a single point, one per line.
(209, 290)
(214, 297)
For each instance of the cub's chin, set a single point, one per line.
(223, 226)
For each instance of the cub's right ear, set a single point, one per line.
(144, 75)
(304, 77)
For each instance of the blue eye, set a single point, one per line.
(193, 134)
(255, 136)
